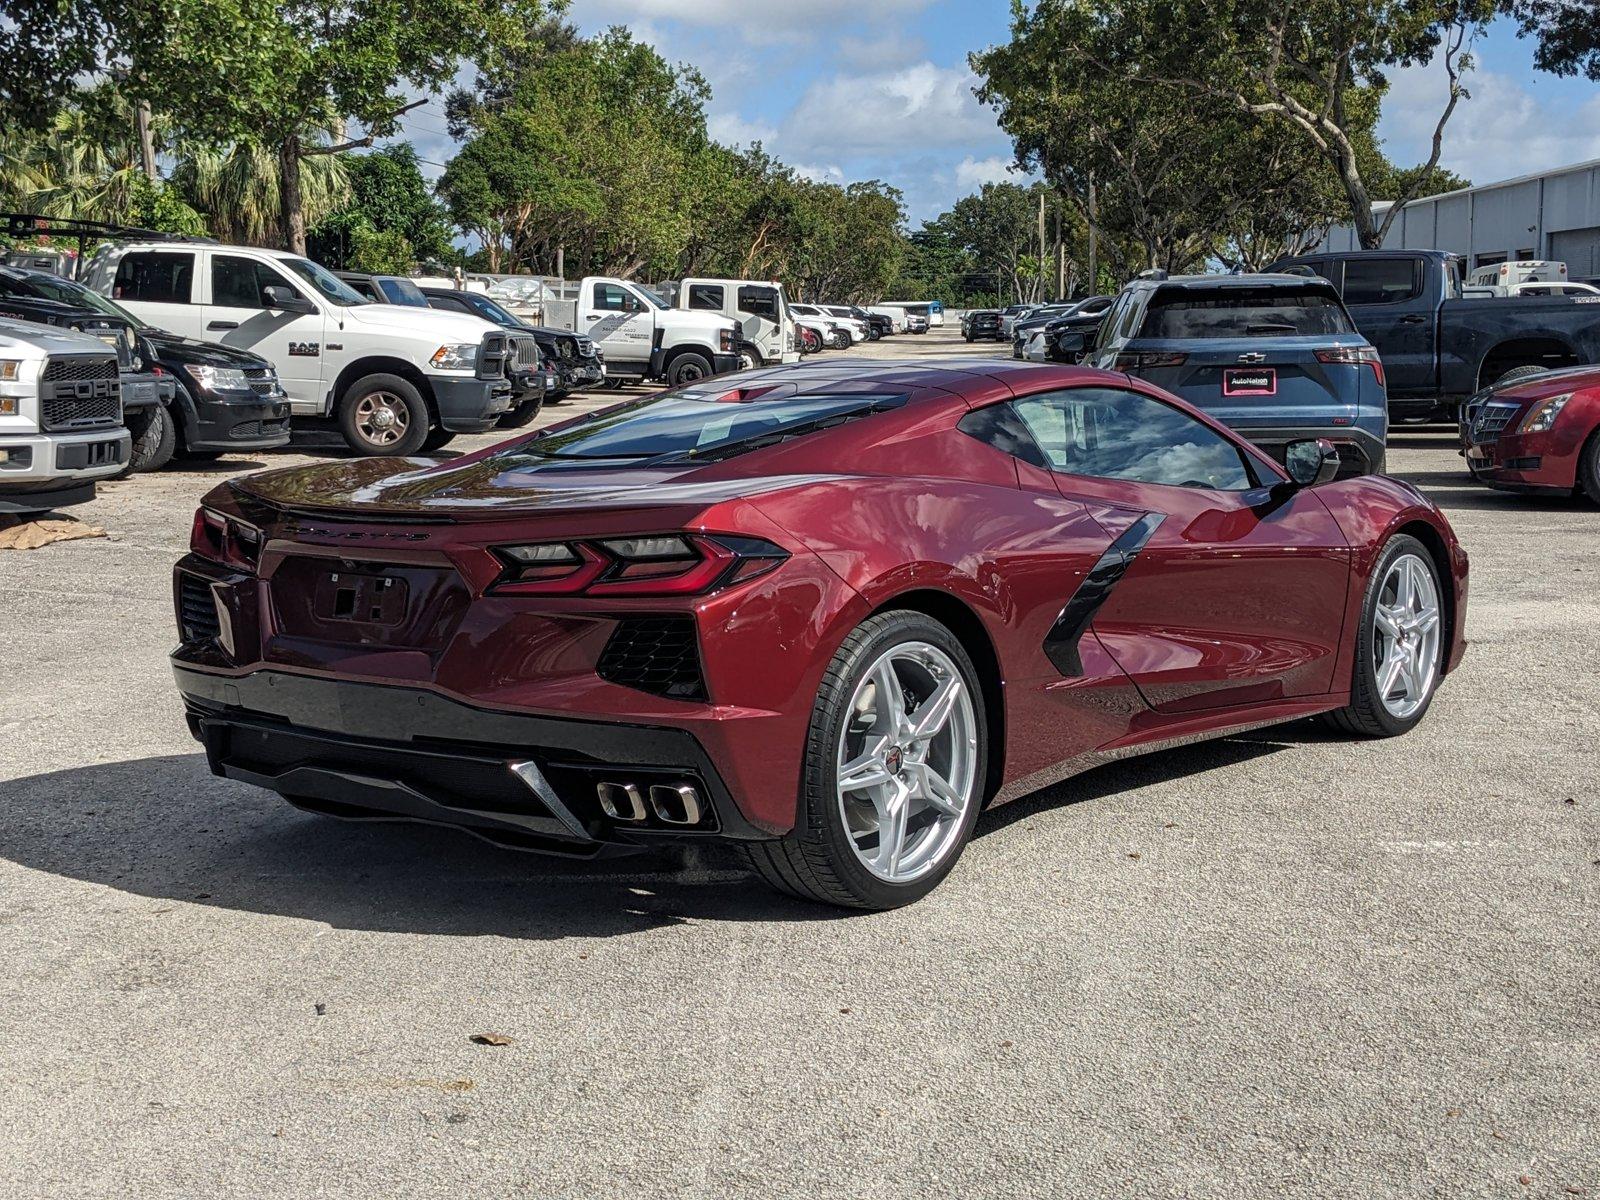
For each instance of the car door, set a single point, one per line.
(760, 317)
(1385, 296)
(1225, 594)
(619, 322)
(159, 287)
(236, 314)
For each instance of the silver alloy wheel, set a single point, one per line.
(382, 418)
(907, 762)
(1406, 636)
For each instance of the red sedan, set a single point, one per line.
(1539, 434)
(828, 613)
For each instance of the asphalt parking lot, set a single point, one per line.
(1280, 965)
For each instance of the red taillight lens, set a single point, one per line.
(1354, 355)
(225, 540)
(660, 565)
(1145, 359)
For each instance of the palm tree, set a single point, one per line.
(238, 186)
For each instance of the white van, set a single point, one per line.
(758, 306)
(1508, 274)
(397, 380)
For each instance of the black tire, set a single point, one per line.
(405, 402)
(1516, 373)
(155, 440)
(815, 860)
(689, 367)
(519, 417)
(970, 338)
(1589, 468)
(749, 360)
(437, 439)
(1366, 715)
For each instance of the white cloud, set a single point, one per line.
(761, 22)
(731, 129)
(973, 173)
(1507, 128)
(911, 107)
(831, 173)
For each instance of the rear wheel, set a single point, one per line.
(1589, 468)
(1400, 651)
(1516, 373)
(383, 415)
(894, 770)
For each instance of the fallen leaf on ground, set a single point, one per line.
(493, 1039)
(31, 535)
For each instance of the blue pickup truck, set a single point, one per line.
(1439, 347)
(1275, 357)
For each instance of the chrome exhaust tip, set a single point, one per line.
(676, 804)
(620, 801)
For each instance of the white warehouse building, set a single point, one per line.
(1553, 215)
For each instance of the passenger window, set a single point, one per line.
(1381, 280)
(159, 278)
(242, 282)
(999, 426)
(759, 302)
(1107, 331)
(1109, 433)
(609, 297)
(706, 296)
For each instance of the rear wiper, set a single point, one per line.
(1269, 327)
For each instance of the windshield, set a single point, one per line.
(333, 289)
(490, 311)
(64, 291)
(695, 425)
(1244, 312)
(402, 291)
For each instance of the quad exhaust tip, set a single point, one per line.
(672, 804)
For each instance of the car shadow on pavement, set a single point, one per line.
(1457, 489)
(167, 829)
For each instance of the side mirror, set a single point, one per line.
(285, 300)
(1072, 343)
(1311, 462)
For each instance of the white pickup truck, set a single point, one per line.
(396, 380)
(641, 337)
(60, 417)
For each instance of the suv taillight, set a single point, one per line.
(1354, 355)
(1145, 359)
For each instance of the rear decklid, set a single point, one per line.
(1254, 351)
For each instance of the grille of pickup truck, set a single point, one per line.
(80, 392)
(526, 351)
(585, 347)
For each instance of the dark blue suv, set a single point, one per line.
(1275, 357)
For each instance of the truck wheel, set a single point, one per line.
(383, 415)
(747, 359)
(689, 368)
(155, 439)
(1516, 373)
(519, 417)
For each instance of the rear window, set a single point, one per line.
(155, 278)
(697, 425)
(1241, 312)
(403, 291)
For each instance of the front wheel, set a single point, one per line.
(893, 778)
(383, 415)
(155, 439)
(689, 368)
(1401, 648)
(522, 415)
(748, 360)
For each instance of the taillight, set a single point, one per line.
(1354, 355)
(1145, 359)
(225, 540)
(658, 565)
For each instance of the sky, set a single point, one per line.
(847, 90)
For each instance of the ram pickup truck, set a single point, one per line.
(395, 379)
(1437, 347)
(60, 416)
(643, 338)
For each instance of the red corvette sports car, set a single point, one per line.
(826, 612)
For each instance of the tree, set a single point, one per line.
(1317, 68)
(258, 72)
(390, 216)
(1568, 33)
(240, 187)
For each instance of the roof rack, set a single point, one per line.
(24, 225)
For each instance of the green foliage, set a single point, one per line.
(388, 252)
(390, 206)
(1568, 33)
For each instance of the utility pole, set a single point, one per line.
(1094, 248)
(1042, 252)
(147, 143)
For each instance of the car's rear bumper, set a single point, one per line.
(378, 752)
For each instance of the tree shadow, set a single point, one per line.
(167, 829)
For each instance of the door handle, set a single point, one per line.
(222, 325)
(592, 317)
(1413, 319)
